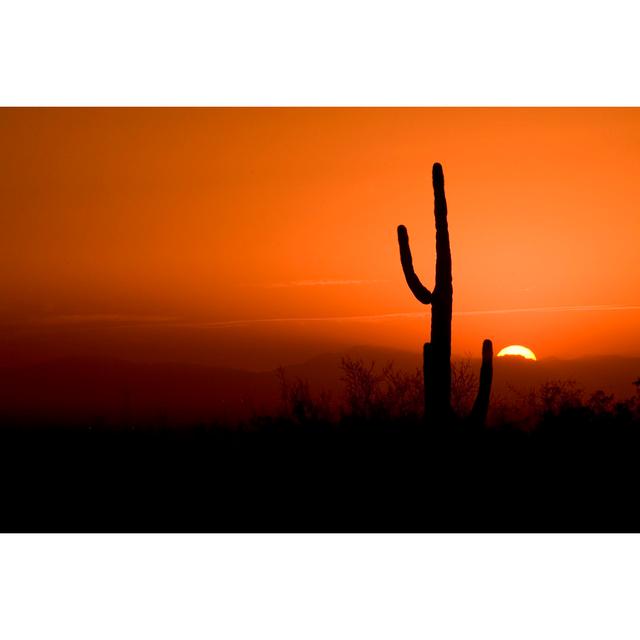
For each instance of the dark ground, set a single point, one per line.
(567, 476)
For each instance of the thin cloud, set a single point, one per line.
(99, 318)
(320, 283)
(123, 319)
(593, 307)
(416, 314)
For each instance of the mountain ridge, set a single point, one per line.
(119, 391)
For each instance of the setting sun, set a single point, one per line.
(517, 350)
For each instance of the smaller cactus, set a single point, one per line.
(481, 405)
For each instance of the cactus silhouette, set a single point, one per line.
(437, 353)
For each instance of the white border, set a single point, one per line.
(334, 52)
(338, 52)
(319, 587)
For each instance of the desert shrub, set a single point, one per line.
(464, 386)
(557, 396)
(600, 403)
(403, 396)
(363, 393)
(299, 404)
(372, 394)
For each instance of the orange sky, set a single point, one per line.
(173, 233)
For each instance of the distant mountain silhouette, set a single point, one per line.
(119, 392)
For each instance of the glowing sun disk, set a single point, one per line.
(518, 350)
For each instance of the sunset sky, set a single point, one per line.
(252, 237)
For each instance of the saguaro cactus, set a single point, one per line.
(437, 353)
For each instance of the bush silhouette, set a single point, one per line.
(374, 395)
(298, 403)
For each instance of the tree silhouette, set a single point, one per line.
(437, 353)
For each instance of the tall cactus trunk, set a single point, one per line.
(441, 307)
(437, 353)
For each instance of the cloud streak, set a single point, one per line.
(579, 308)
(97, 320)
(320, 283)
(100, 319)
(419, 314)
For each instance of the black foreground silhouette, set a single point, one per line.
(577, 471)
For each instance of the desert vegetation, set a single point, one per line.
(385, 396)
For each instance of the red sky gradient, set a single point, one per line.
(251, 237)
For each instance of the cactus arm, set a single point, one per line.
(421, 293)
(481, 405)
